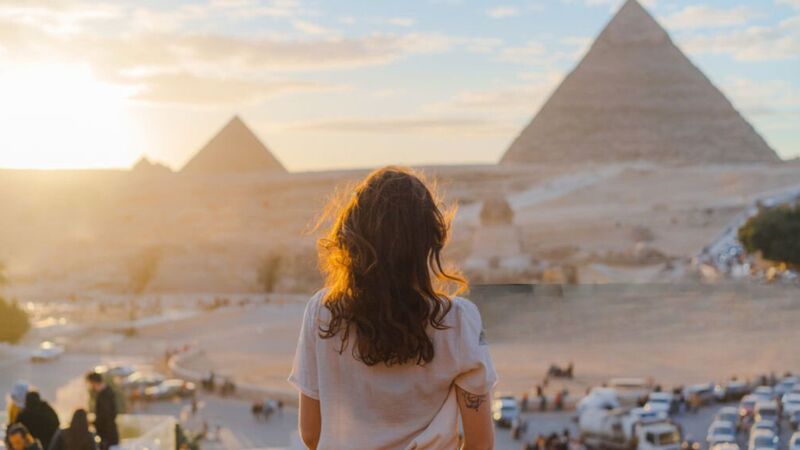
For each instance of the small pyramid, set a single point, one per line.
(235, 149)
(146, 167)
(636, 96)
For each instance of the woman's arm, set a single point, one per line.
(476, 418)
(310, 421)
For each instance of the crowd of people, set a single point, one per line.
(34, 425)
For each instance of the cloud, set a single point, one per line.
(792, 3)
(427, 125)
(763, 97)
(309, 28)
(401, 21)
(526, 54)
(701, 16)
(188, 89)
(755, 43)
(521, 98)
(502, 12)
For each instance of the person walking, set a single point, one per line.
(387, 355)
(105, 411)
(39, 418)
(77, 436)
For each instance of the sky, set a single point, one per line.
(330, 84)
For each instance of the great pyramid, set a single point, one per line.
(235, 149)
(636, 96)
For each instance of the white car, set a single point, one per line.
(763, 440)
(728, 414)
(720, 432)
(47, 351)
(764, 393)
(767, 411)
(791, 403)
(505, 411)
(786, 385)
(767, 425)
(660, 402)
(794, 441)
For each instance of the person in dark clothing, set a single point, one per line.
(39, 418)
(77, 436)
(105, 411)
(19, 438)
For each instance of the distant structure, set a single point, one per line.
(497, 245)
(146, 167)
(636, 96)
(235, 149)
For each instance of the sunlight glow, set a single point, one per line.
(59, 116)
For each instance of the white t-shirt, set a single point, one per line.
(378, 407)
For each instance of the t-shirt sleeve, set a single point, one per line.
(476, 370)
(304, 374)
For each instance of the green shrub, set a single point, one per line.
(14, 321)
(775, 233)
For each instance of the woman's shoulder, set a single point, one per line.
(463, 310)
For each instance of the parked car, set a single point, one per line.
(137, 382)
(505, 411)
(747, 407)
(728, 414)
(768, 425)
(169, 389)
(785, 385)
(704, 392)
(47, 351)
(768, 410)
(116, 371)
(661, 401)
(790, 402)
(730, 391)
(720, 432)
(763, 440)
(764, 393)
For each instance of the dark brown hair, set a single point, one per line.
(384, 274)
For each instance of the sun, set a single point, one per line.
(60, 116)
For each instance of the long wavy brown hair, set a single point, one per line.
(382, 257)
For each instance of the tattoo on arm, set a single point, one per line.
(472, 401)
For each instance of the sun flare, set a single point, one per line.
(57, 116)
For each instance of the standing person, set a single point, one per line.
(386, 358)
(77, 436)
(16, 400)
(105, 411)
(39, 418)
(19, 438)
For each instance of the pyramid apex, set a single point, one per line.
(234, 149)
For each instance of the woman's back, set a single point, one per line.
(380, 407)
(387, 355)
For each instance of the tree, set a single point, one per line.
(775, 233)
(14, 321)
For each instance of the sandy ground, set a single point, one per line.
(677, 334)
(77, 233)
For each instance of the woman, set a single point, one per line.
(16, 400)
(77, 436)
(385, 359)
